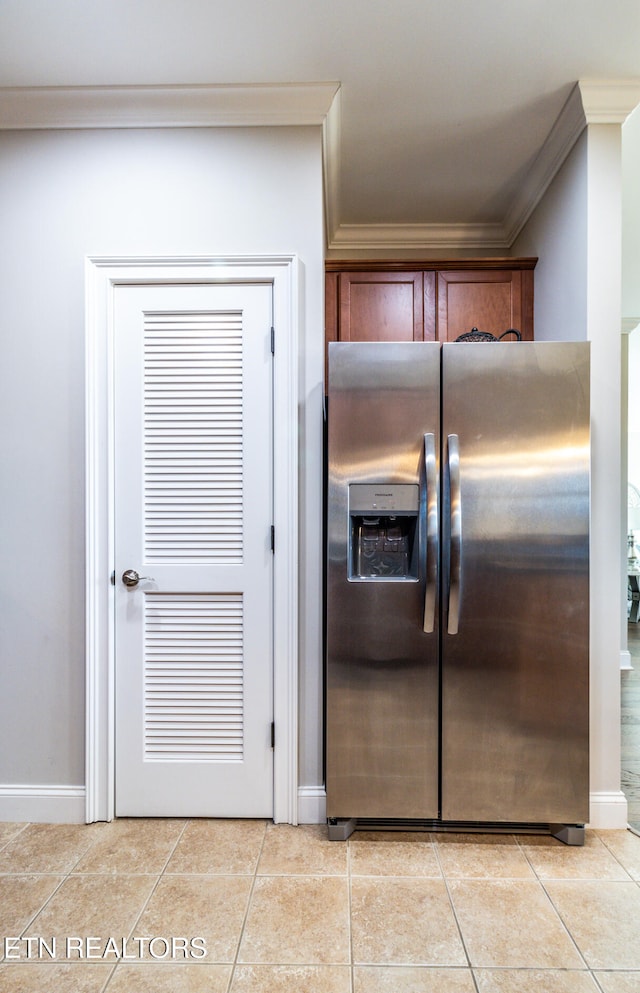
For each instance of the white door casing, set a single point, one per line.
(104, 278)
(193, 514)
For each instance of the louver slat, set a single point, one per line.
(193, 424)
(193, 677)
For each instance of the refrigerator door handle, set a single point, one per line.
(431, 579)
(455, 534)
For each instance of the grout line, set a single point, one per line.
(109, 978)
(562, 921)
(40, 909)
(522, 848)
(64, 874)
(173, 850)
(146, 902)
(352, 978)
(22, 825)
(455, 916)
(85, 852)
(520, 844)
(30, 872)
(599, 986)
(615, 857)
(247, 908)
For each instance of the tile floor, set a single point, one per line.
(280, 909)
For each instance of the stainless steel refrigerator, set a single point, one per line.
(457, 678)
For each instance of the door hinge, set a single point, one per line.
(273, 538)
(273, 734)
(273, 341)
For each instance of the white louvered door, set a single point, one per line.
(193, 511)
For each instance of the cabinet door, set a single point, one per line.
(490, 301)
(381, 306)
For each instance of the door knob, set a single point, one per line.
(131, 578)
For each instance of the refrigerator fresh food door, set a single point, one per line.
(515, 605)
(382, 576)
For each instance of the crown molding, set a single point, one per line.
(331, 134)
(52, 107)
(590, 102)
(630, 324)
(609, 101)
(566, 130)
(417, 236)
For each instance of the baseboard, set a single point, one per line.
(43, 804)
(608, 810)
(625, 660)
(66, 805)
(312, 805)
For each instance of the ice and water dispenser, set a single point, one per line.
(383, 531)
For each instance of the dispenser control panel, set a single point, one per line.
(382, 531)
(381, 498)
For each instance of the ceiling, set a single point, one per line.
(443, 107)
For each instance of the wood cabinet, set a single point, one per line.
(427, 301)
(381, 306)
(489, 300)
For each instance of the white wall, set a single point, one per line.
(631, 280)
(631, 216)
(65, 195)
(557, 234)
(577, 232)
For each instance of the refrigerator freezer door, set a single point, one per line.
(515, 668)
(382, 668)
